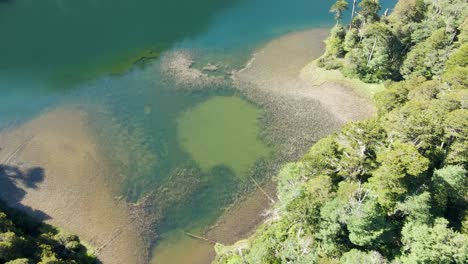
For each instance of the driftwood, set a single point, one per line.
(16, 151)
(201, 238)
(263, 191)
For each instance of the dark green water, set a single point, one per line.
(82, 53)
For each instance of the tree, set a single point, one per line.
(456, 72)
(331, 235)
(390, 180)
(419, 122)
(436, 243)
(450, 186)
(334, 48)
(351, 40)
(356, 256)
(360, 142)
(338, 8)
(369, 9)
(366, 223)
(377, 57)
(428, 58)
(456, 134)
(291, 180)
(408, 11)
(19, 261)
(416, 208)
(324, 158)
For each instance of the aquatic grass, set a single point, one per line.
(120, 65)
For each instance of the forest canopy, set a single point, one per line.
(394, 188)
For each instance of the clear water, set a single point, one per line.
(83, 53)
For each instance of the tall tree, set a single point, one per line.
(338, 8)
(369, 9)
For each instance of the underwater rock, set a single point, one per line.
(211, 67)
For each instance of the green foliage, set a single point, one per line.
(456, 127)
(456, 73)
(392, 189)
(436, 243)
(391, 179)
(417, 208)
(351, 40)
(356, 256)
(428, 58)
(416, 40)
(360, 142)
(369, 9)
(409, 11)
(26, 241)
(334, 48)
(367, 223)
(338, 8)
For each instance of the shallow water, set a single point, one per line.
(104, 56)
(206, 133)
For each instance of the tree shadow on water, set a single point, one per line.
(12, 180)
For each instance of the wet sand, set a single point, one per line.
(72, 192)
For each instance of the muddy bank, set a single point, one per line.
(71, 191)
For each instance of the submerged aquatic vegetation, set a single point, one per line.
(222, 131)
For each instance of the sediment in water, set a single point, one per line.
(297, 112)
(71, 190)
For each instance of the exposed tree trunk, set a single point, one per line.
(385, 13)
(352, 14)
(372, 52)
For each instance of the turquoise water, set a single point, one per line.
(83, 53)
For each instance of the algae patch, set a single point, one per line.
(222, 131)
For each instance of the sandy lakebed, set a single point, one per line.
(72, 190)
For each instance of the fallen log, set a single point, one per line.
(201, 238)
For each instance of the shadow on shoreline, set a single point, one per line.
(14, 183)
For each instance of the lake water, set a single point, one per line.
(105, 56)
